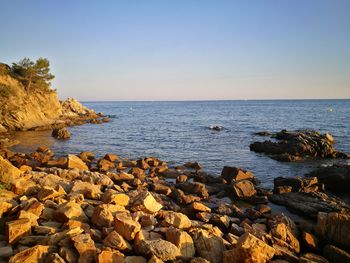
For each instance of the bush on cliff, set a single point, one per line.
(33, 74)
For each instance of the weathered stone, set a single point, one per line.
(69, 254)
(251, 249)
(135, 259)
(177, 220)
(115, 198)
(60, 133)
(182, 240)
(197, 206)
(209, 247)
(8, 172)
(89, 190)
(334, 227)
(196, 188)
(162, 249)
(111, 157)
(102, 217)
(181, 179)
(75, 162)
(47, 192)
(105, 165)
(145, 202)
(114, 240)
(127, 227)
(233, 173)
(85, 246)
(243, 189)
(54, 258)
(17, 229)
(70, 210)
(32, 217)
(310, 241)
(34, 254)
(110, 257)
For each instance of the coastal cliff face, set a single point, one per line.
(20, 110)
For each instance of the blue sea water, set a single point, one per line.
(178, 132)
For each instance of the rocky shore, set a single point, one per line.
(80, 208)
(289, 146)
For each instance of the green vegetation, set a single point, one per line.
(33, 74)
(5, 91)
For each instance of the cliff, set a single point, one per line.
(37, 109)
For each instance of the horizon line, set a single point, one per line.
(213, 100)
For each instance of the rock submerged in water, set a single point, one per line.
(297, 145)
(61, 133)
(216, 127)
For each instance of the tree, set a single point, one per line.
(33, 74)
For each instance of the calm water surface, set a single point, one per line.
(178, 132)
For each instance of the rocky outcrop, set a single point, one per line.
(38, 109)
(61, 133)
(298, 145)
(335, 178)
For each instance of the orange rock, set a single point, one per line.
(85, 246)
(110, 257)
(75, 162)
(127, 227)
(33, 254)
(17, 229)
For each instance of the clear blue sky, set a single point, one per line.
(174, 50)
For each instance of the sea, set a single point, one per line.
(179, 132)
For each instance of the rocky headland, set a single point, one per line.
(80, 208)
(38, 109)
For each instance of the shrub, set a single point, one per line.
(5, 91)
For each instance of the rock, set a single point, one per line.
(334, 227)
(162, 249)
(69, 254)
(47, 192)
(116, 241)
(251, 249)
(197, 206)
(194, 188)
(105, 165)
(334, 254)
(335, 178)
(181, 179)
(110, 257)
(209, 247)
(182, 240)
(199, 260)
(89, 190)
(309, 204)
(312, 258)
(54, 258)
(33, 254)
(233, 173)
(59, 163)
(127, 227)
(85, 246)
(294, 145)
(111, 157)
(243, 189)
(61, 133)
(216, 127)
(177, 220)
(310, 241)
(17, 229)
(70, 210)
(193, 165)
(145, 202)
(75, 162)
(32, 217)
(297, 184)
(8, 172)
(135, 259)
(6, 252)
(103, 215)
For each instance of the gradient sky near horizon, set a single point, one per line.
(184, 49)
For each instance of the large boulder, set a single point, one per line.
(144, 201)
(37, 253)
(249, 249)
(182, 240)
(233, 173)
(209, 247)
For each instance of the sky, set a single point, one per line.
(184, 49)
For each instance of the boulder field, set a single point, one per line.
(80, 208)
